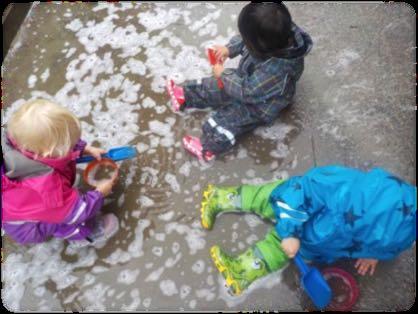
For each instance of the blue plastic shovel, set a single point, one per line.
(313, 283)
(116, 154)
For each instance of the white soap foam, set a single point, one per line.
(172, 181)
(157, 250)
(206, 294)
(45, 75)
(198, 267)
(32, 80)
(267, 282)
(193, 236)
(171, 261)
(155, 275)
(120, 256)
(146, 302)
(136, 301)
(42, 263)
(167, 216)
(145, 201)
(185, 168)
(185, 291)
(168, 287)
(128, 276)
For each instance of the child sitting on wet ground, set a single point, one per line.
(273, 50)
(38, 198)
(327, 214)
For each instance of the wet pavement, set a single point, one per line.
(355, 105)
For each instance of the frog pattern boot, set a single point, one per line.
(217, 200)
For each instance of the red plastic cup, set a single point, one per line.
(99, 163)
(344, 289)
(213, 61)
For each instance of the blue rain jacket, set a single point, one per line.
(339, 212)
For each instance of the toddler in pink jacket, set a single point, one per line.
(39, 201)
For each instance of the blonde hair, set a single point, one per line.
(44, 128)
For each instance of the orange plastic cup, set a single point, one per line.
(97, 164)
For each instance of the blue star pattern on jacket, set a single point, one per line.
(405, 209)
(350, 217)
(355, 247)
(340, 212)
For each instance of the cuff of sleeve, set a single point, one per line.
(98, 194)
(80, 146)
(232, 53)
(282, 234)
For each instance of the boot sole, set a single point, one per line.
(175, 105)
(205, 201)
(230, 282)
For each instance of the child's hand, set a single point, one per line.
(363, 265)
(290, 246)
(221, 53)
(217, 70)
(105, 187)
(94, 151)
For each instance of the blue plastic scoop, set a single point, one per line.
(116, 154)
(315, 286)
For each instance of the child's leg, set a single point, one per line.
(95, 231)
(75, 232)
(256, 199)
(249, 198)
(221, 131)
(205, 94)
(263, 258)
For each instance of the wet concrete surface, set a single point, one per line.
(355, 105)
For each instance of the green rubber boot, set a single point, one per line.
(216, 200)
(239, 272)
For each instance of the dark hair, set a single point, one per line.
(265, 28)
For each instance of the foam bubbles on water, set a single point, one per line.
(120, 256)
(167, 216)
(267, 282)
(145, 201)
(41, 263)
(193, 236)
(155, 275)
(128, 276)
(198, 267)
(278, 132)
(136, 301)
(32, 80)
(172, 181)
(185, 168)
(185, 291)
(168, 287)
(157, 250)
(45, 75)
(160, 18)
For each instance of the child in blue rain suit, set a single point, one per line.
(330, 213)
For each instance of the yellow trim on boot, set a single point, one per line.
(230, 282)
(205, 201)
